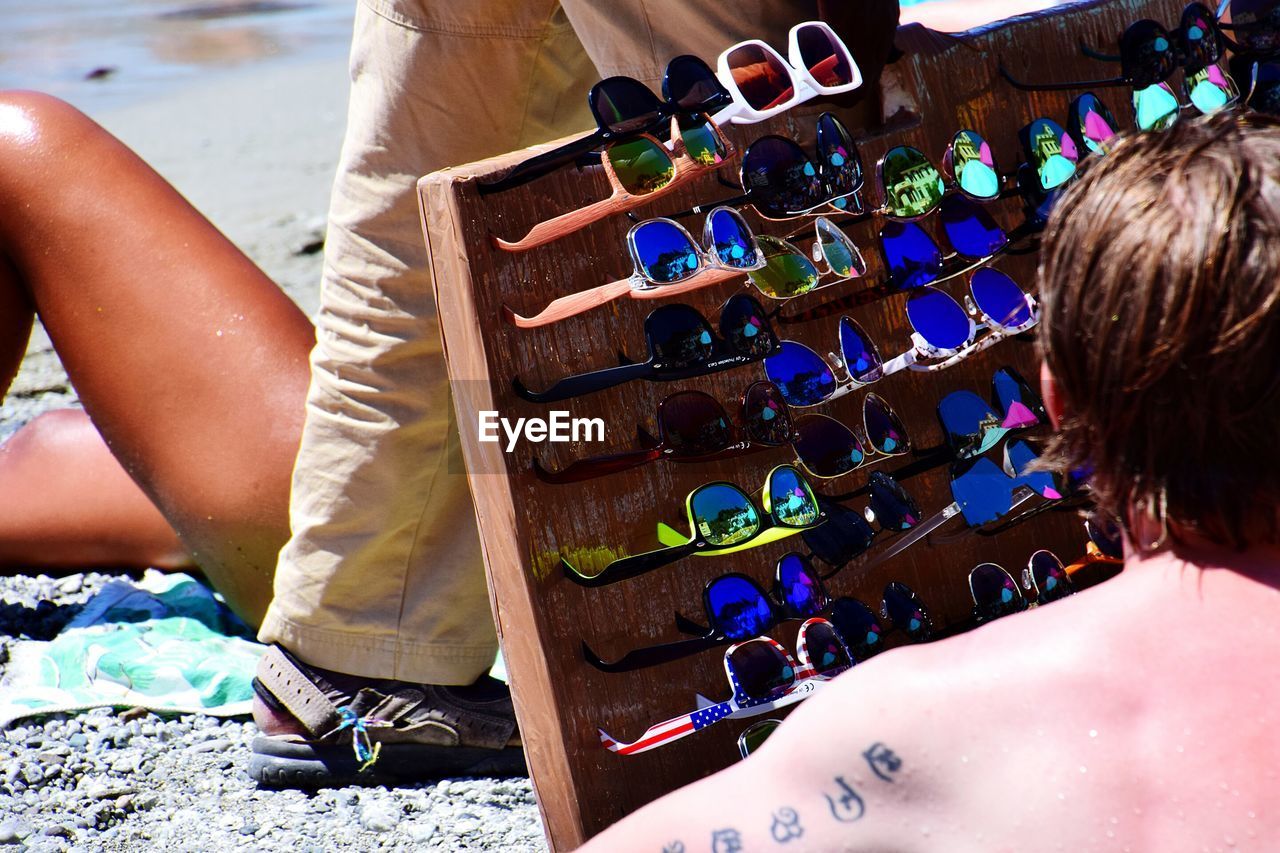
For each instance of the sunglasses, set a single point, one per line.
(848, 535)
(781, 181)
(788, 272)
(625, 108)
(983, 491)
(902, 607)
(666, 261)
(681, 346)
(1046, 578)
(723, 519)
(754, 736)
(639, 170)
(994, 593)
(973, 426)
(1149, 56)
(763, 677)
(762, 84)
(738, 609)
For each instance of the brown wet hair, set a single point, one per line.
(1160, 285)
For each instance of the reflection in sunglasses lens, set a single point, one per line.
(825, 649)
(790, 498)
(911, 256)
(693, 424)
(974, 166)
(691, 84)
(765, 415)
(799, 588)
(858, 626)
(701, 142)
(824, 58)
(642, 165)
(1000, 298)
(664, 252)
(786, 271)
(885, 432)
(730, 238)
(1022, 407)
(861, 358)
(971, 425)
(894, 509)
(723, 515)
(827, 447)
(970, 229)
(738, 609)
(994, 593)
(911, 184)
(761, 77)
(1155, 107)
(623, 105)
(743, 326)
(1044, 140)
(838, 158)
(1210, 89)
(841, 255)
(907, 612)
(1049, 577)
(782, 178)
(1092, 123)
(844, 535)
(802, 376)
(761, 670)
(939, 319)
(678, 336)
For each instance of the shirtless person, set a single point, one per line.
(1142, 714)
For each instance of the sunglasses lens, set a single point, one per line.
(786, 271)
(838, 157)
(1146, 53)
(974, 166)
(1043, 140)
(884, 430)
(1256, 26)
(1204, 42)
(894, 509)
(678, 336)
(1210, 89)
(972, 427)
(824, 56)
(994, 593)
(910, 255)
(939, 319)
(783, 180)
(858, 627)
(691, 85)
(799, 588)
(693, 424)
(839, 251)
(754, 736)
(972, 232)
(844, 535)
(1050, 577)
(907, 612)
(701, 142)
(802, 375)
(760, 669)
(790, 498)
(983, 492)
(1093, 123)
(1106, 535)
(641, 165)
(827, 447)
(761, 77)
(765, 415)
(911, 184)
(1020, 457)
(825, 649)
(663, 251)
(743, 326)
(1000, 299)
(1264, 96)
(730, 238)
(623, 105)
(1022, 407)
(1155, 107)
(861, 358)
(738, 609)
(723, 515)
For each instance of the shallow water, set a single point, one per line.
(98, 53)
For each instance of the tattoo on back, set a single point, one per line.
(786, 825)
(673, 847)
(847, 806)
(726, 841)
(882, 761)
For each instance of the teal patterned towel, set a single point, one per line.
(166, 643)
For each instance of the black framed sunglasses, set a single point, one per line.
(681, 346)
(624, 108)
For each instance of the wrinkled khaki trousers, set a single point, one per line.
(382, 576)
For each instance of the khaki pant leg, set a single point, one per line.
(383, 576)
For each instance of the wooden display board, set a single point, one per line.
(942, 83)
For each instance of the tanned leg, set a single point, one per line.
(191, 363)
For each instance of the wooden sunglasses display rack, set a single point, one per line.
(942, 83)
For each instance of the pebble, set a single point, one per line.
(212, 746)
(379, 817)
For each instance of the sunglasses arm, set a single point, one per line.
(1060, 87)
(1097, 54)
(916, 533)
(571, 305)
(736, 201)
(653, 655)
(543, 164)
(567, 223)
(629, 567)
(597, 466)
(584, 383)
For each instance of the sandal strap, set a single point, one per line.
(294, 689)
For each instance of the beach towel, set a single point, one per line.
(165, 643)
